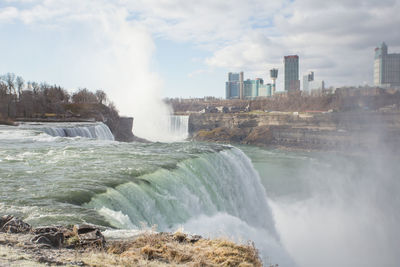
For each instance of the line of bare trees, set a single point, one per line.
(343, 99)
(31, 99)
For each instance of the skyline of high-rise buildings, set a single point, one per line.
(238, 88)
(386, 74)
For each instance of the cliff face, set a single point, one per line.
(303, 130)
(122, 129)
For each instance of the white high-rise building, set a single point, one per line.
(386, 67)
(306, 81)
(310, 84)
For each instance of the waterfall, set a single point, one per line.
(212, 194)
(178, 127)
(98, 131)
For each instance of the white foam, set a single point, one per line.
(223, 225)
(117, 218)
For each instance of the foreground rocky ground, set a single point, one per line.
(84, 245)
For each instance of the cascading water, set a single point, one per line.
(179, 126)
(98, 131)
(208, 189)
(170, 197)
(328, 209)
(213, 194)
(172, 128)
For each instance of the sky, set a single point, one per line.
(185, 48)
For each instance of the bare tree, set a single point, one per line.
(20, 85)
(101, 96)
(3, 99)
(35, 88)
(84, 96)
(10, 80)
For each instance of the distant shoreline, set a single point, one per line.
(72, 119)
(304, 131)
(8, 123)
(17, 121)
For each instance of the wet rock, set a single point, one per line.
(11, 224)
(84, 228)
(89, 235)
(180, 237)
(54, 240)
(48, 229)
(194, 238)
(5, 219)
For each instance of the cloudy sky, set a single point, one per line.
(182, 48)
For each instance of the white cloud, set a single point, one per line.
(204, 22)
(329, 36)
(334, 38)
(8, 13)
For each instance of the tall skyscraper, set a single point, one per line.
(234, 86)
(274, 75)
(386, 67)
(291, 65)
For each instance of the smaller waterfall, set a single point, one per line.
(178, 127)
(99, 131)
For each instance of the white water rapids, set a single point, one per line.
(304, 209)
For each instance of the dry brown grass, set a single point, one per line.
(149, 249)
(180, 249)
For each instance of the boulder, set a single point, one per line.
(51, 236)
(5, 219)
(89, 235)
(48, 229)
(11, 224)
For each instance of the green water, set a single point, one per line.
(300, 208)
(47, 180)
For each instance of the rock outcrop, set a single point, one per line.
(10, 224)
(121, 128)
(303, 130)
(54, 236)
(88, 236)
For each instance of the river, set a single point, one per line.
(299, 208)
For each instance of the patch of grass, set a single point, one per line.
(72, 241)
(180, 249)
